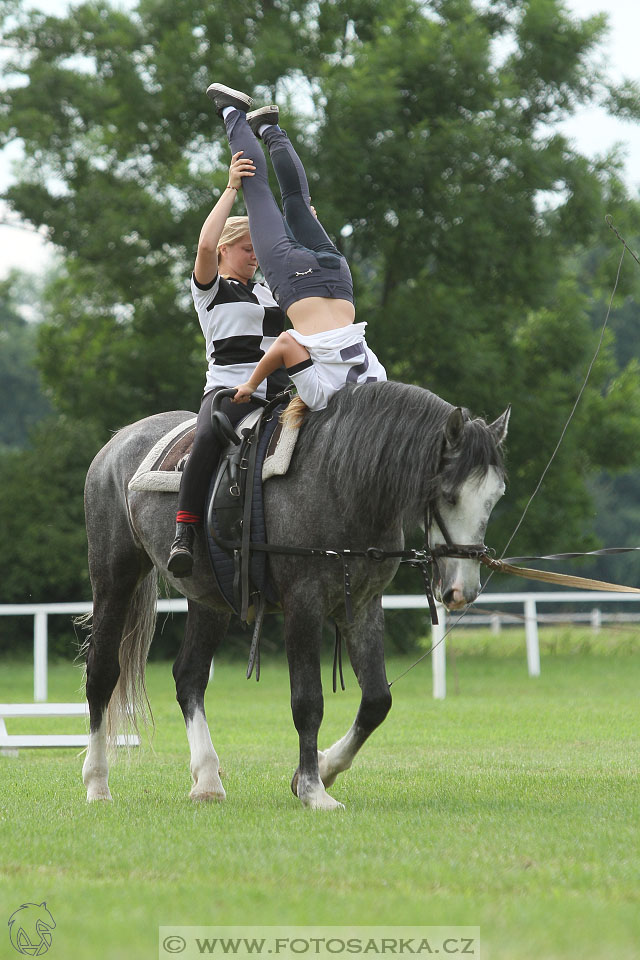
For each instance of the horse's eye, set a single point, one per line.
(451, 499)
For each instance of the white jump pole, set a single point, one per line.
(438, 655)
(531, 637)
(40, 656)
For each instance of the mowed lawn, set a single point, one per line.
(512, 805)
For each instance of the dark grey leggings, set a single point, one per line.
(295, 253)
(204, 457)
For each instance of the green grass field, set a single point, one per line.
(512, 805)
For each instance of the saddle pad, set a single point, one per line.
(280, 450)
(162, 467)
(222, 562)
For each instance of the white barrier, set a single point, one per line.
(529, 601)
(10, 744)
(40, 613)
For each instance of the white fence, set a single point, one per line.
(528, 601)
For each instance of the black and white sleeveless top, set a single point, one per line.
(240, 322)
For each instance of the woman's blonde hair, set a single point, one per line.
(234, 229)
(294, 413)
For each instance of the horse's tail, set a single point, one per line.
(294, 413)
(129, 704)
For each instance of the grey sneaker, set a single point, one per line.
(228, 97)
(269, 114)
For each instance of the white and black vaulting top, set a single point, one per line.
(240, 321)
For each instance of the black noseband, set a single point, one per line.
(460, 551)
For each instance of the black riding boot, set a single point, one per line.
(180, 561)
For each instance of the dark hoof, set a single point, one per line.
(294, 783)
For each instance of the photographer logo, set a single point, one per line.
(30, 929)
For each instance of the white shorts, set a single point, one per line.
(336, 358)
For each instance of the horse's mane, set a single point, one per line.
(381, 445)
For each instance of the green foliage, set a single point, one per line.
(44, 556)
(21, 398)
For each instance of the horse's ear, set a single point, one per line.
(499, 427)
(454, 427)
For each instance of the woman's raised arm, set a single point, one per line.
(206, 265)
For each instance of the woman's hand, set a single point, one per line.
(244, 392)
(238, 169)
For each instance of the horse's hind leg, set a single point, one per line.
(114, 607)
(303, 635)
(365, 645)
(204, 631)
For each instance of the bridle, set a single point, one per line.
(448, 550)
(461, 551)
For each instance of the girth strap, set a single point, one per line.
(245, 559)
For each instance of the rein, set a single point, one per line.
(546, 576)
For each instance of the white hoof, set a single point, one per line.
(207, 792)
(95, 776)
(320, 800)
(98, 791)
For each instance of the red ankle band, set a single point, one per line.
(183, 516)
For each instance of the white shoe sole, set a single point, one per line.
(236, 94)
(263, 112)
(265, 115)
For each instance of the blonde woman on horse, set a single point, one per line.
(308, 275)
(240, 320)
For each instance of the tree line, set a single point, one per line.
(431, 133)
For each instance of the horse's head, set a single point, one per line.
(471, 482)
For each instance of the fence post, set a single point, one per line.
(438, 655)
(531, 635)
(596, 619)
(40, 656)
(495, 623)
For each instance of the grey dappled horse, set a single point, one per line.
(363, 470)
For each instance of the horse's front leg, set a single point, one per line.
(364, 640)
(303, 633)
(204, 630)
